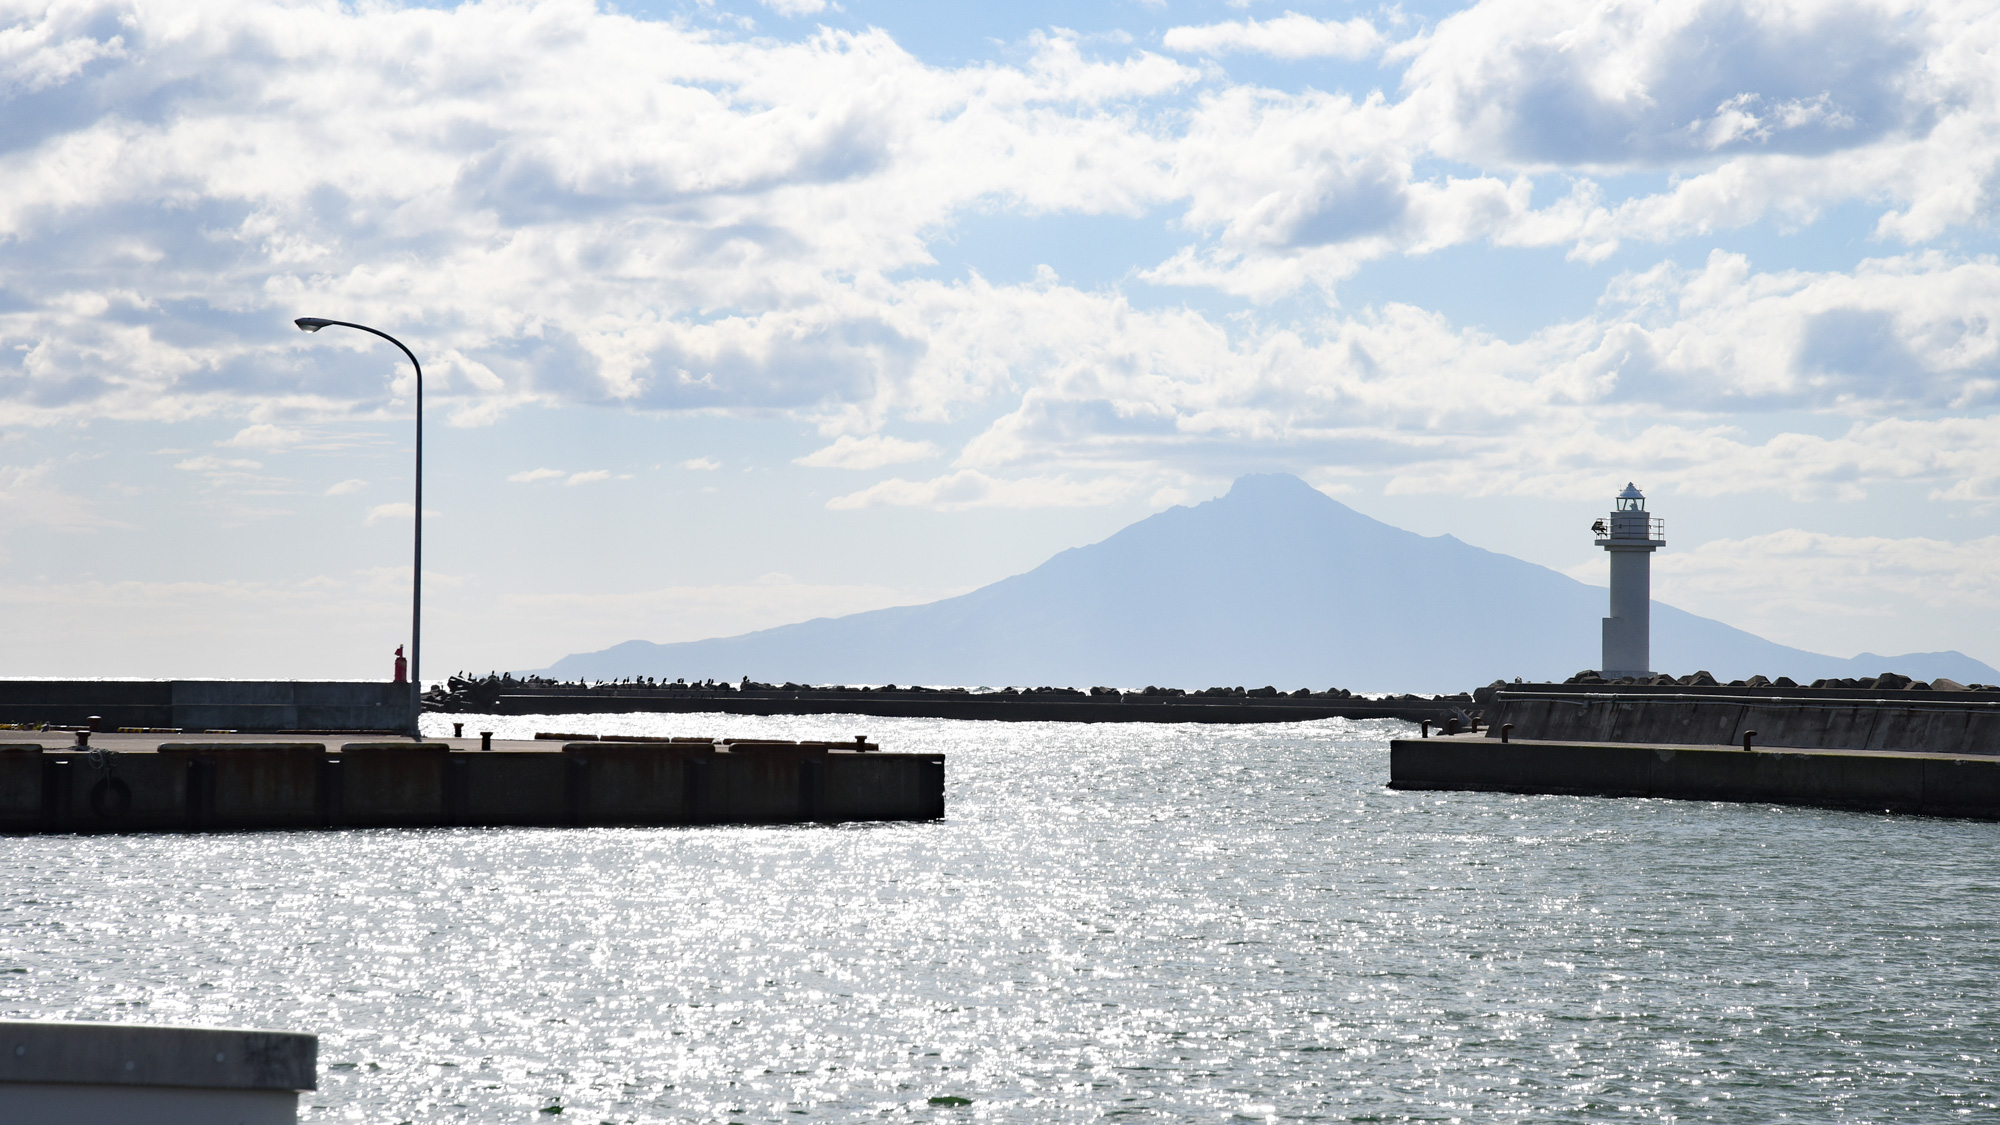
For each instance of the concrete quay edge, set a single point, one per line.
(1896, 781)
(117, 1054)
(128, 783)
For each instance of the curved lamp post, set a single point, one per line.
(314, 324)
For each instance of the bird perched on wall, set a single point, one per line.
(1597, 528)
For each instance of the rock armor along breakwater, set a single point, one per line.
(507, 695)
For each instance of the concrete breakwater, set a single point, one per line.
(506, 695)
(1870, 780)
(1880, 748)
(209, 704)
(1936, 722)
(123, 783)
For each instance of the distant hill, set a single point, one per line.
(1275, 583)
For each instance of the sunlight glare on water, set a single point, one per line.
(1170, 922)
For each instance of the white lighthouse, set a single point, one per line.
(1631, 535)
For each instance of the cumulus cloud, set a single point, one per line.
(529, 476)
(871, 452)
(398, 511)
(1884, 357)
(660, 216)
(640, 213)
(702, 464)
(345, 487)
(1290, 36)
(1622, 82)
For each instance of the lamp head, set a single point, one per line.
(311, 323)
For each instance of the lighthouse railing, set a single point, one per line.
(1630, 527)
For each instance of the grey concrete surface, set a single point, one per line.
(116, 1054)
(44, 1103)
(1873, 780)
(197, 705)
(133, 782)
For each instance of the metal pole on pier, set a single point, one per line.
(314, 324)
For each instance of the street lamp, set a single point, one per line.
(314, 324)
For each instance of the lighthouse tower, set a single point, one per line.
(1631, 535)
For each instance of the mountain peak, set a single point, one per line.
(1272, 487)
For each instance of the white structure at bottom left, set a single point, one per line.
(120, 1074)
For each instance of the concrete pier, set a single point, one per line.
(117, 1074)
(134, 783)
(1953, 785)
(1925, 751)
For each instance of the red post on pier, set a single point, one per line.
(402, 667)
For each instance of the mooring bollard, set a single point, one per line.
(458, 730)
(1747, 736)
(1451, 725)
(96, 723)
(1506, 732)
(486, 740)
(1427, 728)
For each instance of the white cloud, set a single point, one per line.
(795, 8)
(345, 487)
(1659, 377)
(970, 488)
(708, 222)
(30, 498)
(386, 512)
(702, 464)
(1290, 36)
(592, 476)
(1819, 591)
(263, 435)
(233, 474)
(207, 463)
(871, 452)
(626, 178)
(671, 217)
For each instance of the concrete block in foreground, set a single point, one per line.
(115, 1074)
(1870, 780)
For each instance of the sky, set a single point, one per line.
(737, 314)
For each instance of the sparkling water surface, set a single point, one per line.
(1113, 921)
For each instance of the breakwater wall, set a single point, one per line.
(243, 784)
(509, 696)
(196, 705)
(1936, 722)
(1879, 781)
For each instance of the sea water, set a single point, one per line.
(1179, 923)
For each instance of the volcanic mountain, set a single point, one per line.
(1274, 583)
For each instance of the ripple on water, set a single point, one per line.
(1113, 921)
